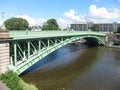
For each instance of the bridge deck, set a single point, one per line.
(16, 35)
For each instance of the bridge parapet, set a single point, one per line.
(18, 35)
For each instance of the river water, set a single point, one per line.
(75, 67)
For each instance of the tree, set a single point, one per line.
(51, 24)
(95, 27)
(118, 29)
(16, 24)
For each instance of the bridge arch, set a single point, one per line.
(93, 41)
(26, 52)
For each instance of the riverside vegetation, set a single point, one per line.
(14, 82)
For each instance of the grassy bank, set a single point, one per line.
(14, 82)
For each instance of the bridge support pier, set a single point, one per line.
(4, 56)
(4, 51)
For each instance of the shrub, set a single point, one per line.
(14, 82)
(117, 43)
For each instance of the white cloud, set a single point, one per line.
(69, 17)
(32, 21)
(103, 13)
(71, 14)
(63, 23)
(95, 14)
(41, 21)
(28, 18)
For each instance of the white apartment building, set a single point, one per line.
(103, 27)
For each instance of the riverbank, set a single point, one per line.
(113, 46)
(113, 40)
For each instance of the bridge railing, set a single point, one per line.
(44, 34)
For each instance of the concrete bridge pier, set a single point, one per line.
(4, 51)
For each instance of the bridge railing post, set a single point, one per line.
(28, 43)
(24, 52)
(15, 54)
(55, 40)
(39, 44)
(48, 41)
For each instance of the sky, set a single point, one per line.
(37, 12)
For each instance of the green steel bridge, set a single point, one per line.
(28, 47)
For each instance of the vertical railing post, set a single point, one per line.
(48, 41)
(55, 40)
(39, 44)
(28, 43)
(24, 54)
(15, 54)
(62, 39)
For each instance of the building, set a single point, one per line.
(103, 27)
(78, 26)
(36, 28)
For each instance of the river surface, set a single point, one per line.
(77, 68)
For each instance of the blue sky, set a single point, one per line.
(64, 11)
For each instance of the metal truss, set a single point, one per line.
(25, 53)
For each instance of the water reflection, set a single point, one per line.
(104, 74)
(58, 55)
(76, 68)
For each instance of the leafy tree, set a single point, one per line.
(16, 24)
(95, 27)
(51, 24)
(118, 29)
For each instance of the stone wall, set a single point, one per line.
(4, 51)
(4, 56)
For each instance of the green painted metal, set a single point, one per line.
(32, 46)
(47, 34)
(39, 45)
(15, 54)
(28, 50)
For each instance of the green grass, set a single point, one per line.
(14, 82)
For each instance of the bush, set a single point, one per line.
(118, 29)
(117, 43)
(14, 82)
